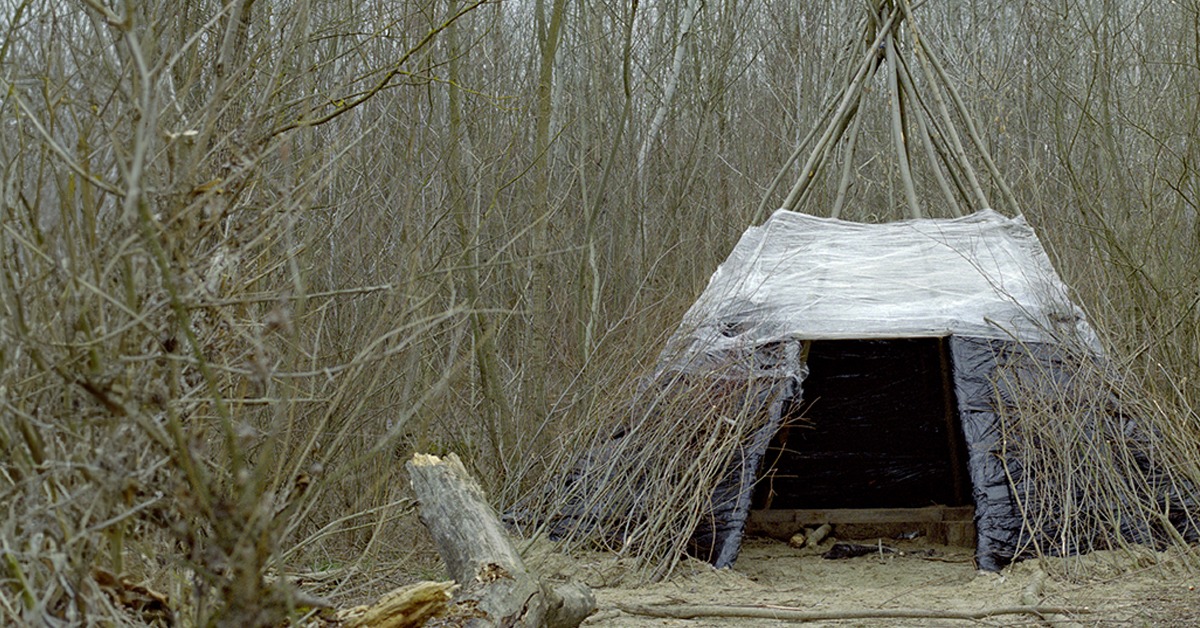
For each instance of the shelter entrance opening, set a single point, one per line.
(877, 428)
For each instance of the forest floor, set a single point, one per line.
(1131, 588)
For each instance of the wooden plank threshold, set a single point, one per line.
(952, 525)
(865, 515)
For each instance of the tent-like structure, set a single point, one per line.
(889, 338)
(837, 367)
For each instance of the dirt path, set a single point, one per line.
(1118, 588)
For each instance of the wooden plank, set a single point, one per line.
(940, 524)
(954, 436)
(774, 516)
(864, 515)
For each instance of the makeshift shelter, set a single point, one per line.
(892, 337)
(845, 366)
(893, 352)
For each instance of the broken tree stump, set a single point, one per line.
(405, 607)
(496, 590)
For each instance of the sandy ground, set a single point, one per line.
(1141, 588)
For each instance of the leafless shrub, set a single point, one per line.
(1092, 466)
(643, 480)
(180, 412)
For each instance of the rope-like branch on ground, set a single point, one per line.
(692, 611)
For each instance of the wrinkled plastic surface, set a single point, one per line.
(800, 276)
(998, 522)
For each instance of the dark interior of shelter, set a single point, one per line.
(877, 428)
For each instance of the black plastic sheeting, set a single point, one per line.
(768, 378)
(987, 374)
(718, 538)
(998, 522)
(778, 372)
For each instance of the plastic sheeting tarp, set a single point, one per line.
(994, 379)
(983, 280)
(718, 537)
(800, 276)
(998, 520)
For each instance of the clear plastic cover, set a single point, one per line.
(800, 276)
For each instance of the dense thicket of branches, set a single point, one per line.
(254, 250)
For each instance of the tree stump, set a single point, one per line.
(496, 590)
(405, 607)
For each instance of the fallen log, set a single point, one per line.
(496, 589)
